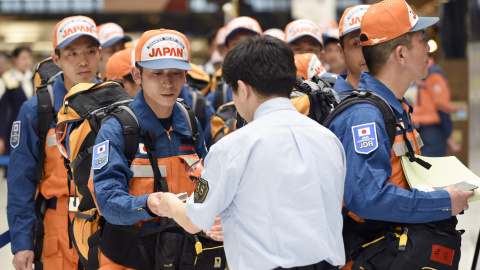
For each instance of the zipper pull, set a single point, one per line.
(66, 107)
(168, 134)
(403, 240)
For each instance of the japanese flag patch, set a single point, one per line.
(100, 155)
(15, 134)
(365, 138)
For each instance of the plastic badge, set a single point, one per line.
(365, 138)
(100, 155)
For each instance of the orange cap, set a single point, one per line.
(163, 49)
(275, 32)
(308, 65)
(389, 19)
(301, 28)
(71, 28)
(351, 19)
(111, 33)
(119, 64)
(242, 24)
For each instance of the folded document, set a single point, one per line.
(445, 171)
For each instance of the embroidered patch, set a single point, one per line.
(15, 135)
(365, 138)
(142, 148)
(442, 255)
(100, 155)
(201, 190)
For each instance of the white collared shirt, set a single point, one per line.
(277, 184)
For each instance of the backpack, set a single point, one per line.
(225, 121)
(86, 107)
(45, 75)
(316, 99)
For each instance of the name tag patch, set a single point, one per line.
(100, 155)
(201, 190)
(15, 134)
(365, 138)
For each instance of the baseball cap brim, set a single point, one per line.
(307, 35)
(72, 38)
(350, 30)
(115, 40)
(166, 64)
(241, 29)
(424, 22)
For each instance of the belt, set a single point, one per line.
(323, 265)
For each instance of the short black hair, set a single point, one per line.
(266, 63)
(19, 50)
(377, 55)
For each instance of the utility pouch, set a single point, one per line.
(434, 245)
(179, 250)
(84, 224)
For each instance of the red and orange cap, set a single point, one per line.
(163, 49)
(242, 24)
(351, 19)
(71, 28)
(275, 32)
(308, 65)
(111, 33)
(301, 28)
(390, 19)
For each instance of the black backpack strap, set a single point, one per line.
(199, 104)
(150, 140)
(220, 94)
(46, 114)
(366, 96)
(192, 122)
(130, 130)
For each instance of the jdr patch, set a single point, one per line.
(100, 155)
(15, 135)
(365, 138)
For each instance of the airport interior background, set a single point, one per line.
(31, 23)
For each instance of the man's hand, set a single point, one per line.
(459, 199)
(23, 260)
(2, 146)
(152, 202)
(164, 208)
(216, 232)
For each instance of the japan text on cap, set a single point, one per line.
(352, 18)
(119, 64)
(163, 49)
(390, 19)
(71, 28)
(111, 33)
(302, 28)
(308, 65)
(242, 24)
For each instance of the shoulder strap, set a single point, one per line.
(46, 115)
(199, 104)
(130, 130)
(366, 96)
(192, 122)
(220, 95)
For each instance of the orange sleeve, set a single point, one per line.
(438, 86)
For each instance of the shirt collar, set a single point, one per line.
(367, 82)
(274, 104)
(149, 121)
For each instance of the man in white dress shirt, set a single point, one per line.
(276, 183)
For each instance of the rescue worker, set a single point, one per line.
(127, 200)
(112, 39)
(18, 87)
(119, 68)
(236, 30)
(304, 36)
(431, 111)
(350, 48)
(376, 189)
(76, 47)
(261, 200)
